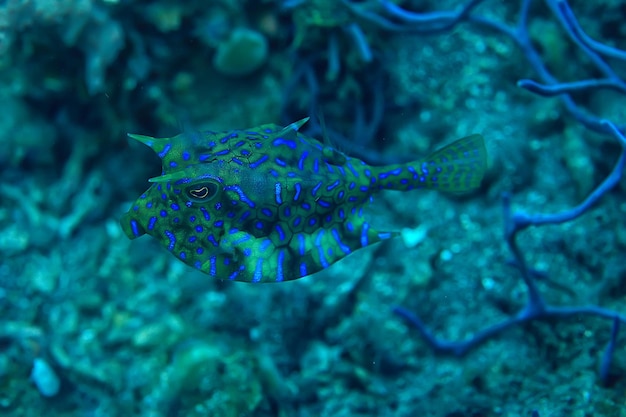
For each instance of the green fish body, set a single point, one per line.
(270, 204)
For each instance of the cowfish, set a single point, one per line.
(270, 204)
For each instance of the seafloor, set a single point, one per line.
(93, 324)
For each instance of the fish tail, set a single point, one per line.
(457, 167)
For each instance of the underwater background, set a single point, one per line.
(529, 270)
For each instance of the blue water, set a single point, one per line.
(506, 301)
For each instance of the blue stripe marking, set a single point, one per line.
(241, 240)
(332, 186)
(330, 167)
(384, 235)
(204, 157)
(175, 206)
(242, 196)
(223, 152)
(364, 240)
(302, 269)
(320, 248)
(206, 214)
(258, 271)
(298, 188)
(265, 245)
(233, 275)
(306, 206)
(279, 266)
(172, 237)
(301, 161)
(212, 261)
(351, 168)
(302, 244)
(280, 162)
(323, 203)
(165, 150)
(237, 161)
(281, 232)
(211, 239)
(316, 188)
(282, 141)
(345, 248)
(258, 162)
(245, 215)
(135, 227)
(151, 223)
(316, 165)
(277, 191)
(267, 212)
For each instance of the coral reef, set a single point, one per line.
(93, 324)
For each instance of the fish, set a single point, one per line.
(271, 204)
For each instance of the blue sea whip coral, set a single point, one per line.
(399, 20)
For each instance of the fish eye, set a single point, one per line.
(202, 192)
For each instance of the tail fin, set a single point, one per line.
(456, 168)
